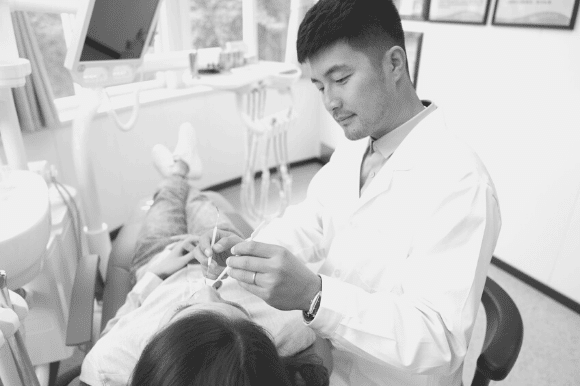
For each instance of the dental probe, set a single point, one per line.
(213, 236)
(227, 269)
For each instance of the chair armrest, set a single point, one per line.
(80, 320)
(118, 280)
(504, 333)
(69, 375)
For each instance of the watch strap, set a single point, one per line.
(314, 306)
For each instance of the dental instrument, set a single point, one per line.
(213, 236)
(215, 284)
(251, 238)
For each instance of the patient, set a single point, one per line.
(221, 350)
(172, 320)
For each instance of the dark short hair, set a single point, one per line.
(206, 348)
(361, 23)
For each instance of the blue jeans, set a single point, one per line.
(178, 208)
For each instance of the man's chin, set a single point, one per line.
(352, 135)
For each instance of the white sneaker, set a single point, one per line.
(162, 159)
(186, 150)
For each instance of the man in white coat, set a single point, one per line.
(404, 217)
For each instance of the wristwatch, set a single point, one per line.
(314, 305)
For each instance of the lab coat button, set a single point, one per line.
(372, 174)
(337, 273)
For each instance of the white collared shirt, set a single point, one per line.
(387, 144)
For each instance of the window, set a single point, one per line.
(197, 23)
(272, 21)
(214, 22)
(49, 34)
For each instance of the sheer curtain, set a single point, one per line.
(35, 101)
(298, 9)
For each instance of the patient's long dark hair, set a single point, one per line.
(207, 349)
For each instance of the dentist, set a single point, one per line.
(403, 219)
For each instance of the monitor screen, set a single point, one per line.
(118, 29)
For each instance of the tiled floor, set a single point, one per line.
(550, 354)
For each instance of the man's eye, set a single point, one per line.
(321, 89)
(343, 80)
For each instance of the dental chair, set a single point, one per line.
(504, 327)
(117, 281)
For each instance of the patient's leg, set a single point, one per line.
(202, 213)
(165, 218)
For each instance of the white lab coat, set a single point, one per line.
(405, 264)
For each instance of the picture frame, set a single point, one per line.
(413, 45)
(412, 9)
(559, 14)
(459, 11)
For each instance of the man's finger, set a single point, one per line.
(179, 237)
(225, 243)
(254, 248)
(199, 255)
(193, 238)
(256, 290)
(188, 246)
(188, 256)
(248, 263)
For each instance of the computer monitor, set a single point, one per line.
(110, 40)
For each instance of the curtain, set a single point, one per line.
(35, 101)
(298, 9)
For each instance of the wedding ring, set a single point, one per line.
(254, 278)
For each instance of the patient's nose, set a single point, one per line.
(207, 294)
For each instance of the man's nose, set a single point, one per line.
(331, 101)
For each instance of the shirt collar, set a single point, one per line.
(389, 142)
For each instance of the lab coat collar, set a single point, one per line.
(388, 143)
(404, 157)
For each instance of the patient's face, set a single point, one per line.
(208, 299)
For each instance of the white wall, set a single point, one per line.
(514, 94)
(122, 160)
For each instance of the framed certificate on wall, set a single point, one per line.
(459, 11)
(413, 42)
(412, 9)
(536, 13)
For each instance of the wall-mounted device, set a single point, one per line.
(111, 40)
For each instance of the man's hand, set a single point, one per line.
(281, 280)
(166, 264)
(225, 240)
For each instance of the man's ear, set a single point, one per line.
(395, 62)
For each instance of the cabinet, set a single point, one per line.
(48, 294)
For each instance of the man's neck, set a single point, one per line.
(410, 106)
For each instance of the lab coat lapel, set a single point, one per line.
(382, 181)
(403, 158)
(351, 170)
